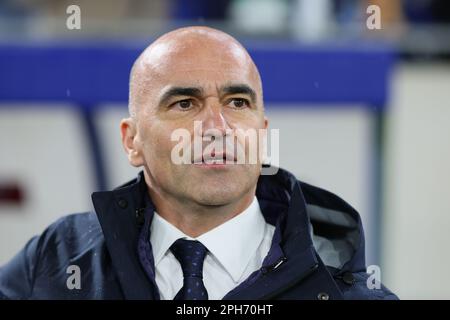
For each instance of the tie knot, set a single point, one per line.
(191, 255)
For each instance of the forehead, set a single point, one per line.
(198, 62)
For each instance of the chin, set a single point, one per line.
(217, 195)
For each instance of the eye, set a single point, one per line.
(183, 104)
(239, 103)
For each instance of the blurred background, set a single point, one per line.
(363, 112)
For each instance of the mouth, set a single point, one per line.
(215, 160)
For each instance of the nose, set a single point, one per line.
(213, 119)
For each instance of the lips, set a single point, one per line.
(213, 158)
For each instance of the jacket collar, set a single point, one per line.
(292, 258)
(118, 212)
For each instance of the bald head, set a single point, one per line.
(179, 54)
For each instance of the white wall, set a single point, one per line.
(417, 184)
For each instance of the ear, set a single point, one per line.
(130, 142)
(263, 148)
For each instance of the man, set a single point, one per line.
(208, 228)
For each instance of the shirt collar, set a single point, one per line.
(162, 235)
(242, 235)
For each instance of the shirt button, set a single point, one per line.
(348, 278)
(323, 296)
(122, 203)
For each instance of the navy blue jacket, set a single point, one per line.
(317, 251)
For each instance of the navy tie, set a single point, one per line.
(191, 255)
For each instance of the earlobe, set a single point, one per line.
(135, 158)
(130, 142)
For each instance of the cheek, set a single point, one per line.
(157, 143)
(245, 119)
(247, 122)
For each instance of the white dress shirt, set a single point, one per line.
(236, 249)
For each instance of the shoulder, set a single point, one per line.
(364, 287)
(41, 265)
(75, 223)
(72, 234)
(339, 241)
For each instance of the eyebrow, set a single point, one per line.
(180, 91)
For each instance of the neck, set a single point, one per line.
(193, 218)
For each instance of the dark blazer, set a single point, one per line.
(317, 251)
